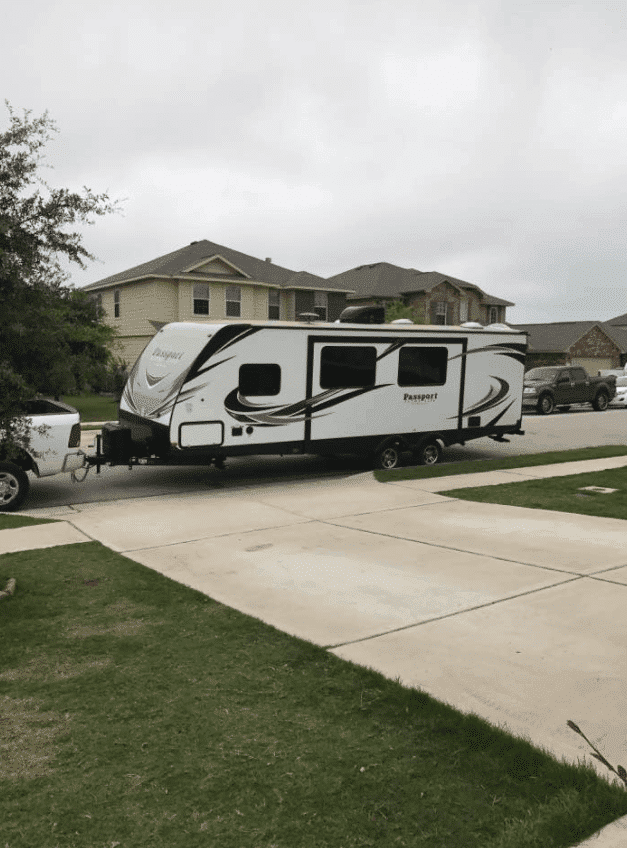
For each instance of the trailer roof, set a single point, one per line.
(336, 326)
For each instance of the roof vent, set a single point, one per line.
(472, 325)
(308, 317)
(498, 327)
(402, 321)
(363, 315)
(268, 259)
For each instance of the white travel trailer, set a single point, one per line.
(201, 392)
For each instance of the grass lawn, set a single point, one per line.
(473, 466)
(139, 712)
(559, 493)
(93, 407)
(8, 522)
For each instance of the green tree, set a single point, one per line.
(52, 337)
(396, 309)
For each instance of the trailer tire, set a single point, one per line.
(546, 404)
(14, 486)
(388, 456)
(428, 453)
(601, 402)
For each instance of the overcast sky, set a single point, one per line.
(486, 140)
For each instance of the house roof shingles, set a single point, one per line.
(381, 279)
(560, 336)
(177, 264)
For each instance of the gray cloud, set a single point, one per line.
(482, 139)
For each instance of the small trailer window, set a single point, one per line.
(422, 366)
(259, 379)
(347, 366)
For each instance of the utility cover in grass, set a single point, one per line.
(601, 490)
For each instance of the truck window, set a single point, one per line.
(578, 374)
(259, 379)
(347, 366)
(422, 366)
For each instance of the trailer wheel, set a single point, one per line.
(388, 457)
(428, 453)
(14, 486)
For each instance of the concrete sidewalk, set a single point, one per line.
(514, 614)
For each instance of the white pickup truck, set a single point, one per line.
(54, 449)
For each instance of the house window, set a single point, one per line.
(463, 311)
(274, 304)
(233, 301)
(347, 366)
(493, 315)
(321, 305)
(259, 379)
(116, 303)
(440, 312)
(422, 366)
(201, 299)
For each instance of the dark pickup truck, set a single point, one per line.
(563, 386)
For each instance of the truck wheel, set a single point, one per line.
(14, 486)
(428, 454)
(546, 405)
(601, 401)
(388, 457)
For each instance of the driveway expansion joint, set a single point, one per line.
(220, 536)
(440, 546)
(453, 614)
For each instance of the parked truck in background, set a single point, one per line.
(563, 386)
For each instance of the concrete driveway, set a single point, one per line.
(517, 615)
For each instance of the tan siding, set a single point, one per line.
(131, 347)
(290, 306)
(140, 302)
(186, 302)
(260, 303)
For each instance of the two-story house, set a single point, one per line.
(437, 298)
(209, 282)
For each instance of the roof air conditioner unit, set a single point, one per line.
(363, 315)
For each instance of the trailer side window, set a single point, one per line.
(347, 366)
(422, 366)
(259, 379)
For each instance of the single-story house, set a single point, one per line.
(205, 281)
(438, 298)
(595, 345)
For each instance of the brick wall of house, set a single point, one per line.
(539, 360)
(595, 343)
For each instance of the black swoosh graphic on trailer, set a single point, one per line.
(492, 399)
(224, 338)
(513, 349)
(246, 412)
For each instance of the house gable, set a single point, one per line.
(216, 266)
(594, 343)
